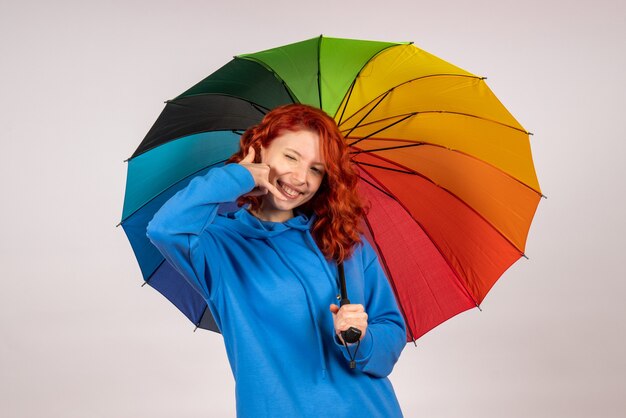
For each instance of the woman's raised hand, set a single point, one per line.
(261, 174)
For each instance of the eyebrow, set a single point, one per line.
(300, 155)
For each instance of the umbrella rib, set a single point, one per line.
(234, 130)
(347, 100)
(373, 122)
(366, 115)
(261, 109)
(154, 271)
(384, 261)
(424, 112)
(381, 129)
(147, 281)
(408, 171)
(258, 106)
(268, 68)
(319, 70)
(379, 188)
(395, 198)
(396, 170)
(407, 82)
(415, 144)
(197, 324)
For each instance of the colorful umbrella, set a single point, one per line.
(447, 169)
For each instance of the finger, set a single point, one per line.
(249, 158)
(355, 315)
(273, 190)
(344, 326)
(334, 308)
(353, 307)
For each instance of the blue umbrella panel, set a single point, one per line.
(155, 176)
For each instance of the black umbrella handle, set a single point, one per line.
(352, 335)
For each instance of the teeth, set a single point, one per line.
(289, 191)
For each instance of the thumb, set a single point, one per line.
(249, 158)
(334, 308)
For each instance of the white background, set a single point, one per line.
(81, 83)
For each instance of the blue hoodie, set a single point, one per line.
(269, 288)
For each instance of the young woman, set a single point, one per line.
(269, 272)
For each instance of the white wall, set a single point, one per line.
(81, 83)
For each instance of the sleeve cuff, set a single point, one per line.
(365, 348)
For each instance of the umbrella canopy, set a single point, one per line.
(447, 169)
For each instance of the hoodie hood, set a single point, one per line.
(252, 227)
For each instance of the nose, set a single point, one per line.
(299, 175)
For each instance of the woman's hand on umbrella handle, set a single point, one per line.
(261, 174)
(350, 315)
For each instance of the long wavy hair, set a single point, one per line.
(338, 208)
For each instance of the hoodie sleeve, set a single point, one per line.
(176, 228)
(385, 337)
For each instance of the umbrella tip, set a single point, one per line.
(479, 308)
(544, 196)
(143, 284)
(194, 330)
(525, 256)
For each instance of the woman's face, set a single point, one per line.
(296, 169)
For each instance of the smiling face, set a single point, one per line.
(296, 169)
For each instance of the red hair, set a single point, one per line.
(337, 205)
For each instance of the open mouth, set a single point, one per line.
(288, 191)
